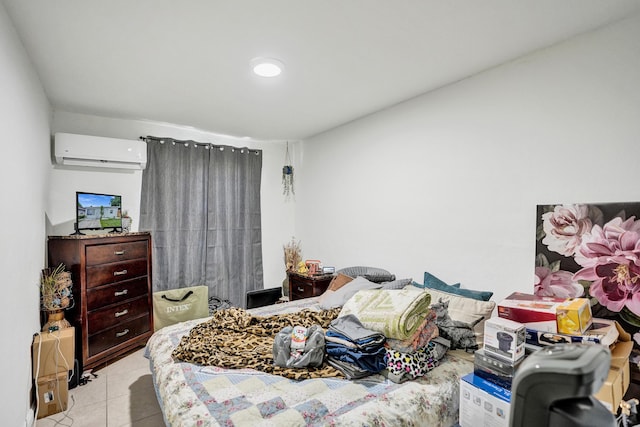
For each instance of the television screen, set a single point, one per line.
(98, 211)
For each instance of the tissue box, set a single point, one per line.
(574, 316)
(483, 403)
(534, 312)
(504, 338)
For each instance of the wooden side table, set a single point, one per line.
(304, 286)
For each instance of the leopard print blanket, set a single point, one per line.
(233, 338)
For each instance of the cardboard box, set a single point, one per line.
(483, 403)
(538, 313)
(617, 382)
(55, 351)
(504, 338)
(53, 394)
(574, 316)
(602, 331)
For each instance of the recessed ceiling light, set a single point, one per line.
(267, 67)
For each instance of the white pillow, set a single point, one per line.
(464, 309)
(337, 298)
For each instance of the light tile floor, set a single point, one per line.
(122, 395)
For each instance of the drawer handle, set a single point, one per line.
(121, 313)
(120, 273)
(121, 334)
(119, 252)
(120, 293)
(300, 289)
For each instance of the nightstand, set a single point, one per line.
(304, 286)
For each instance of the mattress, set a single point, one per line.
(195, 395)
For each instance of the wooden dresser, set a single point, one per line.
(112, 291)
(304, 286)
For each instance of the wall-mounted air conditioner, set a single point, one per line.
(96, 151)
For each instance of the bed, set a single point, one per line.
(198, 395)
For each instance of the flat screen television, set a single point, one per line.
(96, 211)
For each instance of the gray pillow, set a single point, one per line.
(373, 274)
(396, 284)
(331, 299)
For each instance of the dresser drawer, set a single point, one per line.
(116, 272)
(114, 252)
(115, 293)
(112, 315)
(116, 335)
(301, 286)
(301, 290)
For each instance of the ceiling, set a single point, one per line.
(187, 62)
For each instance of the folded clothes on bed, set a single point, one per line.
(354, 349)
(420, 338)
(408, 366)
(349, 370)
(397, 313)
(371, 361)
(350, 329)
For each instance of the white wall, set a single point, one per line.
(277, 214)
(24, 119)
(448, 182)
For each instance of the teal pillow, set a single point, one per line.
(432, 282)
(421, 285)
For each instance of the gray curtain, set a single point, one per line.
(201, 204)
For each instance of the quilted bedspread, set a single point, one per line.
(198, 395)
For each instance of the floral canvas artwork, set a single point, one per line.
(592, 251)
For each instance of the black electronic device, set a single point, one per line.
(553, 387)
(262, 297)
(95, 211)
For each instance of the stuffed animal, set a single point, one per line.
(459, 333)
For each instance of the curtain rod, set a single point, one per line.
(188, 142)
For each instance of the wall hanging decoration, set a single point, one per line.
(592, 251)
(287, 176)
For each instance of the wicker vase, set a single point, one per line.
(55, 319)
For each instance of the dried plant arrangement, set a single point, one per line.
(55, 289)
(292, 254)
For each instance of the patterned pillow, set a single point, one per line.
(373, 274)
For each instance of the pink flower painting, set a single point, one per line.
(591, 251)
(564, 228)
(556, 284)
(610, 257)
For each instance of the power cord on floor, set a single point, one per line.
(628, 413)
(66, 420)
